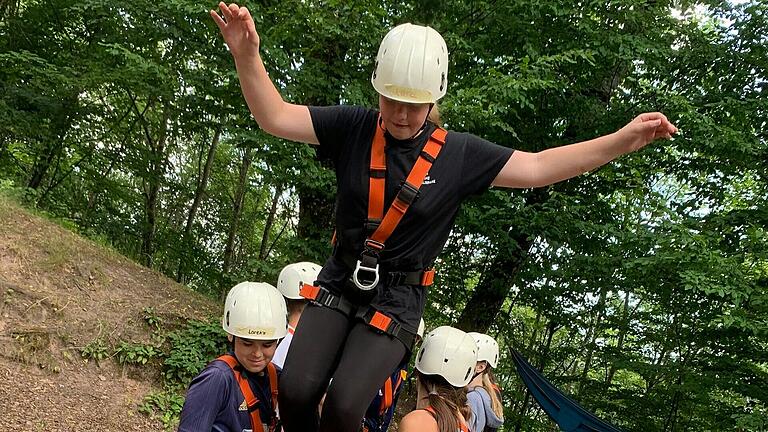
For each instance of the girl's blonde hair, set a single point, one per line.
(434, 115)
(490, 385)
(445, 400)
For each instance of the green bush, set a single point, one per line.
(97, 350)
(191, 348)
(166, 404)
(128, 353)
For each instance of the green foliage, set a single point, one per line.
(151, 318)
(128, 353)
(167, 404)
(96, 349)
(191, 348)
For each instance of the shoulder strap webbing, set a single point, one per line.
(377, 174)
(245, 388)
(272, 373)
(408, 190)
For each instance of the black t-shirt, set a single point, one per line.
(466, 165)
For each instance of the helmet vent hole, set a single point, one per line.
(445, 360)
(227, 318)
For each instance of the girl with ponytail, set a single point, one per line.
(444, 367)
(484, 395)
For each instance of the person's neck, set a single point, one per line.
(293, 319)
(476, 381)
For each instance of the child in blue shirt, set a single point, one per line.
(238, 391)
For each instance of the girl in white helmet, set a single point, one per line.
(484, 394)
(238, 391)
(291, 280)
(444, 366)
(401, 180)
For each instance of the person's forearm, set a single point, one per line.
(561, 163)
(263, 99)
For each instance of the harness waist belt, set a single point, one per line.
(393, 277)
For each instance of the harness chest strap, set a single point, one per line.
(409, 189)
(250, 399)
(383, 224)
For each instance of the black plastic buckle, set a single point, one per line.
(408, 193)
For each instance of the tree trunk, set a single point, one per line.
(268, 224)
(202, 185)
(490, 293)
(237, 208)
(620, 342)
(153, 183)
(591, 337)
(62, 122)
(42, 164)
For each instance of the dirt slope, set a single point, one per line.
(59, 293)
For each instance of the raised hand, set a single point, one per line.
(238, 29)
(643, 130)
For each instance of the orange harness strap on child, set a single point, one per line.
(462, 426)
(250, 399)
(389, 390)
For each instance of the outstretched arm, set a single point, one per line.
(272, 113)
(525, 170)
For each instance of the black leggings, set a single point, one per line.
(328, 345)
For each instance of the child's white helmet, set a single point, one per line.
(487, 348)
(449, 353)
(255, 310)
(293, 276)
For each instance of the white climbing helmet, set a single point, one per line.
(293, 276)
(412, 65)
(487, 348)
(255, 310)
(449, 353)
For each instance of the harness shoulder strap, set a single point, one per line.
(245, 388)
(431, 411)
(377, 174)
(410, 187)
(272, 373)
